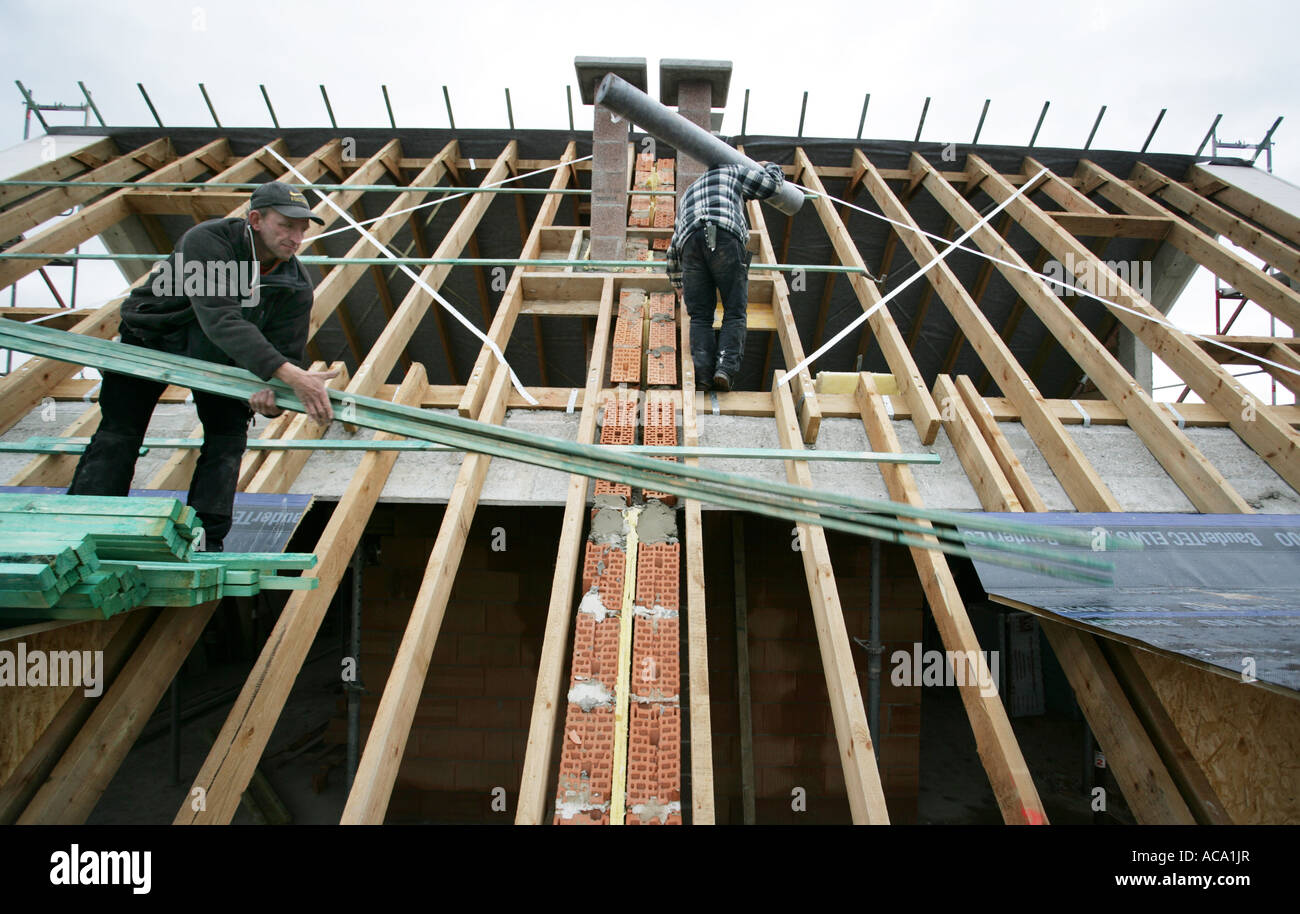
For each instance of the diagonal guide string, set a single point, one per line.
(1052, 283)
(414, 277)
(447, 198)
(952, 245)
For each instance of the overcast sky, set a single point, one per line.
(1196, 59)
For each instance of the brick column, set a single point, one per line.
(609, 183)
(695, 103)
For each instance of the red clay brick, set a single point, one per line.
(663, 335)
(660, 435)
(667, 171)
(660, 244)
(664, 214)
(656, 649)
(904, 719)
(498, 746)
(662, 302)
(589, 817)
(661, 368)
(662, 496)
(621, 490)
(510, 682)
(628, 331)
(431, 712)
(587, 755)
(660, 419)
(487, 650)
(455, 745)
(639, 213)
(773, 686)
(654, 755)
(624, 367)
(619, 423)
(658, 578)
(603, 566)
(646, 162)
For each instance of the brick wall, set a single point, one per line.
(472, 721)
(471, 725)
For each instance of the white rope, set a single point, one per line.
(1053, 281)
(951, 246)
(415, 277)
(444, 198)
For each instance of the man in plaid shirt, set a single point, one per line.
(707, 258)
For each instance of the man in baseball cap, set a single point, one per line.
(232, 293)
(285, 200)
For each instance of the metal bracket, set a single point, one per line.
(1087, 420)
(1182, 423)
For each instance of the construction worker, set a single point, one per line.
(233, 293)
(707, 258)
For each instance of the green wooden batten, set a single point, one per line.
(70, 582)
(789, 502)
(73, 445)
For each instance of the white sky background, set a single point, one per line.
(1196, 59)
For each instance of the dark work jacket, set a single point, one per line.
(203, 316)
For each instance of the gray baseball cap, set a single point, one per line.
(285, 200)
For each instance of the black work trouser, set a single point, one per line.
(127, 404)
(709, 273)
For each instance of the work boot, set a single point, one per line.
(721, 380)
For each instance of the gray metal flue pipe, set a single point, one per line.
(666, 125)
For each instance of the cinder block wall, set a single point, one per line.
(471, 725)
(794, 735)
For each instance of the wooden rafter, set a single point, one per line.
(239, 746)
(1207, 488)
(1079, 477)
(503, 321)
(1264, 431)
(810, 415)
(852, 734)
(548, 696)
(1276, 298)
(1013, 788)
(924, 413)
